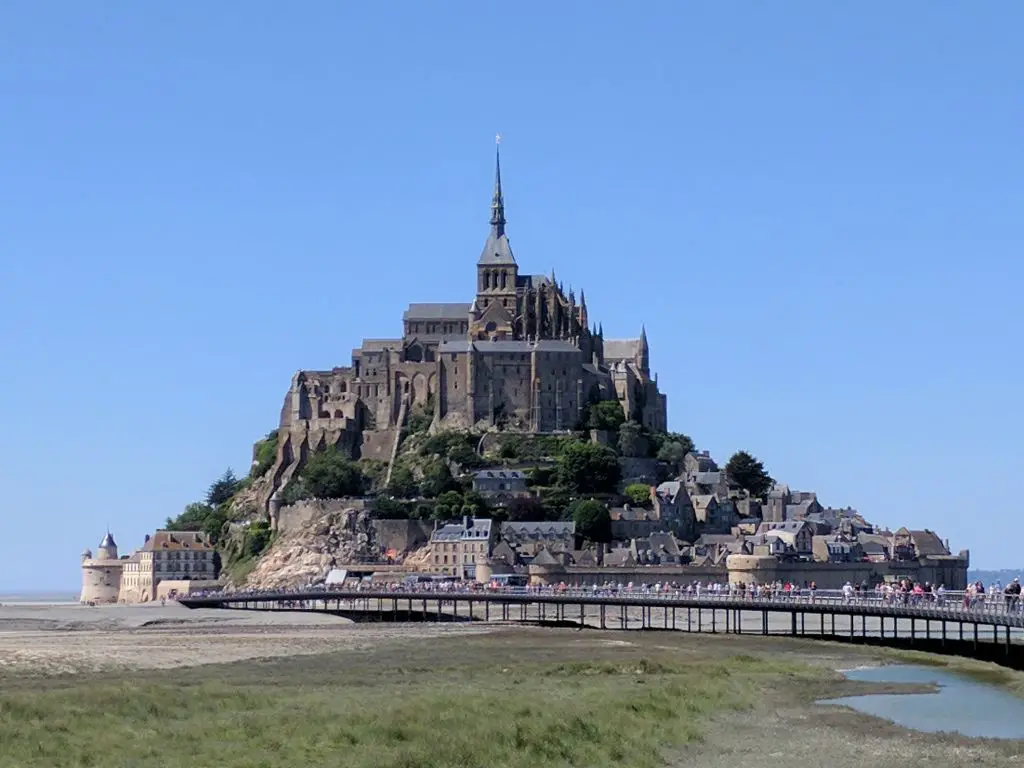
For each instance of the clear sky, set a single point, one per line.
(814, 207)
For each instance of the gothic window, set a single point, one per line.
(504, 277)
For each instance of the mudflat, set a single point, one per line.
(163, 686)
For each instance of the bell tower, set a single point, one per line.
(495, 307)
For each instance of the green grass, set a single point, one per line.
(330, 713)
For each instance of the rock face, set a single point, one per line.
(306, 555)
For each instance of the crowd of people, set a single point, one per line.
(902, 593)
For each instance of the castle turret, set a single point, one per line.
(101, 576)
(107, 549)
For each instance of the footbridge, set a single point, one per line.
(989, 628)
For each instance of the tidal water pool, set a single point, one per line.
(960, 704)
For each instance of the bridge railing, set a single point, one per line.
(950, 605)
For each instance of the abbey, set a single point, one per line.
(522, 355)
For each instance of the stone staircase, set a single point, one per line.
(403, 412)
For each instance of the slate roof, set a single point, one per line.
(171, 540)
(507, 346)
(539, 530)
(497, 250)
(543, 557)
(621, 349)
(480, 528)
(436, 312)
(501, 474)
(927, 543)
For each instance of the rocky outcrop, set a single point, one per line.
(305, 555)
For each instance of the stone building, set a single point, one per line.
(168, 562)
(499, 485)
(523, 355)
(457, 548)
(167, 557)
(101, 575)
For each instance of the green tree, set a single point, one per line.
(593, 521)
(556, 501)
(403, 484)
(588, 468)
(476, 504)
(257, 538)
(632, 442)
(448, 505)
(606, 415)
(222, 489)
(749, 473)
(213, 524)
(330, 475)
(639, 494)
(673, 454)
(387, 508)
(527, 509)
(191, 518)
(437, 479)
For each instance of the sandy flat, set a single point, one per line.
(71, 638)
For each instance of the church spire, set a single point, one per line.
(497, 201)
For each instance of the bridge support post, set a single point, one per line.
(601, 619)
(583, 616)
(913, 629)
(728, 623)
(714, 621)
(673, 617)
(439, 610)
(764, 622)
(487, 610)
(792, 623)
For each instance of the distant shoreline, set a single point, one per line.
(38, 598)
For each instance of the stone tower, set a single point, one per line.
(493, 314)
(101, 575)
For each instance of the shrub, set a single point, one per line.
(264, 455)
(639, 494)
(588, 468)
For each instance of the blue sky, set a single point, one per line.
(814, 207)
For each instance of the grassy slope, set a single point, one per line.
(579, 713)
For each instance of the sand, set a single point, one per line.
(60, 639)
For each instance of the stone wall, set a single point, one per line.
(950, 572)
(639, 470)
(403, 535)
